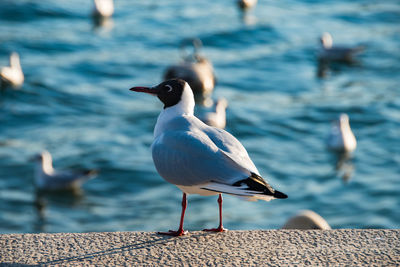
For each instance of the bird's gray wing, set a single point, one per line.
(348, 49)
(340, 52)
(232, 147)
(335, 139)
(191, 158)
(67, 179)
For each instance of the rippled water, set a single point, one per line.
(75, 103)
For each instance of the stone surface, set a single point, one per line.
(232, 248)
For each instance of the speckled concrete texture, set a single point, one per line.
(232, 248)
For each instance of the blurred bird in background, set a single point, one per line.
(216, 117)
(246, 4)
(12, 75)
(102, 12)
(196, 70)
(47, 178)
(341, 137)
(330, 52)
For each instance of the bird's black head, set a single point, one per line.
(169, 92)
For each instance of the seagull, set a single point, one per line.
(217, 118)
(196, 70)
(47, 178)
(13, 74)
(307, 219)
(341, 137)
(103, 8)
(197, 158)
(328, 52)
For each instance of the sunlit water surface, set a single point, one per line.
(75, 103)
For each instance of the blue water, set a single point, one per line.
(75, 103)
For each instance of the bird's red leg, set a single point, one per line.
(220, 227)
(180, 230)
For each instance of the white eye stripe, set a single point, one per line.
(170, 88)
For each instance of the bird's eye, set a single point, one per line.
(169, 88)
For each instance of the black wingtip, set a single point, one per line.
(278, 194)
(256, 183)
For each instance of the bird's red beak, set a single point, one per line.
(148, 90)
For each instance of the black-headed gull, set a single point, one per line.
(329, 52)
(13, 75)
(307, 219)
(196, 70)
(47, 178)
(341, 137)
(216, 117)
(197, 158)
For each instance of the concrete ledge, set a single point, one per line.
(263, 248)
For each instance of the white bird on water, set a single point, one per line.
(13, 74)
(200, 159)
(47, 178)
(217, 117)
(341, 137)
(103, 8)
(246, 4)
(329, 52)
(197, 70)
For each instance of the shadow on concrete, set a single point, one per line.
(6, 264)
(160, 240)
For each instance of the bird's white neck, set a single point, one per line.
(46, 165)
(345, 129)
(14, 62)
(184, 107)
(220, 108)
(349, 140)
(104, 7)
(43, 168)
(327, 41)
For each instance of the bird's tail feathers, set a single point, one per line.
(256, 183)
(252, 188)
